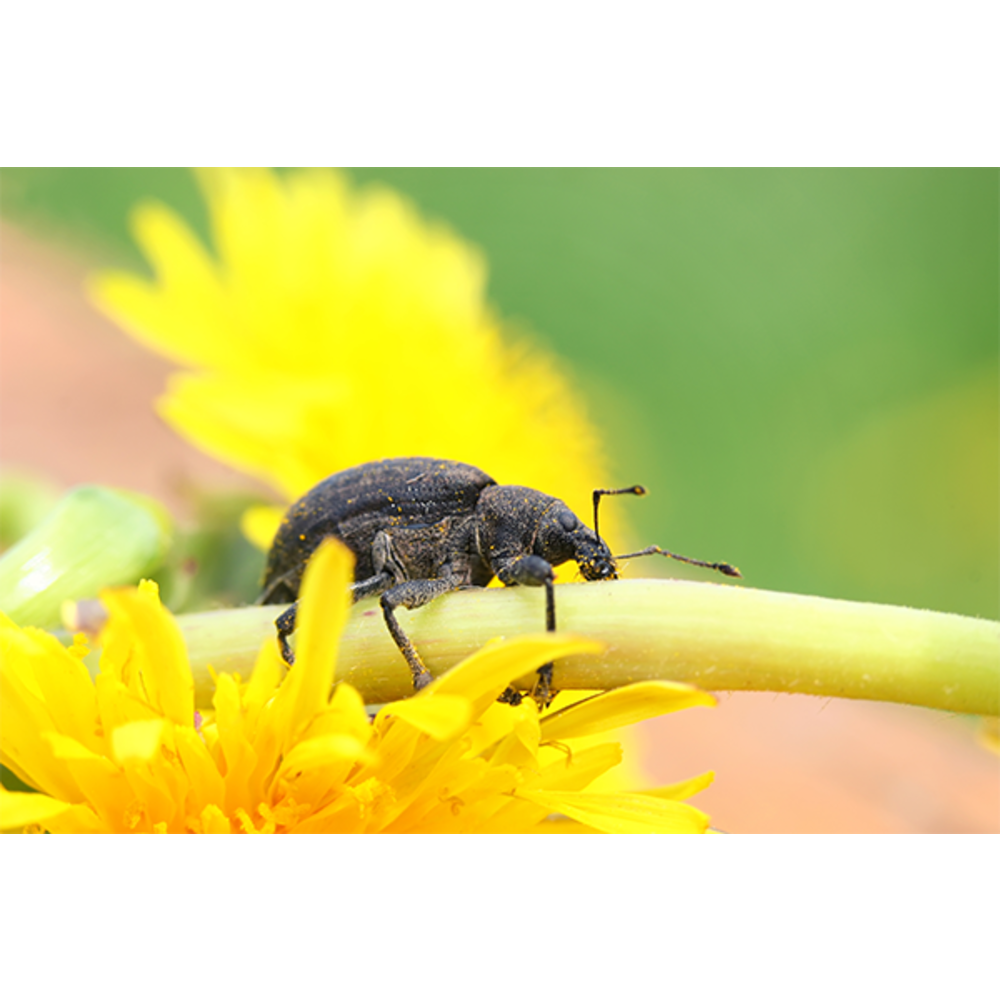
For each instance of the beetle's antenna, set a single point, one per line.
(655, 550)
(638, 491)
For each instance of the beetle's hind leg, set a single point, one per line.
(285, 622)
(282, 590)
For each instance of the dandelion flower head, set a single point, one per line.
(128, 752)
(332, 327)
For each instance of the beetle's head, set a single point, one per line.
(563, 536)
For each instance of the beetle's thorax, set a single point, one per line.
(514, 521)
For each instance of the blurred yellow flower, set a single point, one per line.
(280, 754)
(336, 327)
(332, 327)
(989, 733)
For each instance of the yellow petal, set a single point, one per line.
(17, 770)
(622, 707)
(21, 809)
(213, 820)
(116, 704)
(462, 790)
(65, 686)
(247, 210)
(102, 783)
(183, 314)
(137, 617)
(622, 812)
(78, 819)
(268, 670)
(349, 708)
(143, 788)
(395, 746)
(259, 524)
(682, 789)
(347, 716)
(441, 717)
(492, 725)
(137, 740)
(66, 748)
(210, 410)
(485, 674)
(516, 815)
(989, 733)
(323, 751)
(577, 770)
(343, 815)
(520, 746)
(240, 759)
(23, 747)
(207, 785)
(324, 603)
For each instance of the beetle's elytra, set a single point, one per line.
(421, 527)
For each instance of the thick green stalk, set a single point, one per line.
(722, 638)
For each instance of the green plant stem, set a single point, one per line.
(721, 638)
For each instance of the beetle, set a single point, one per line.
(421, 527)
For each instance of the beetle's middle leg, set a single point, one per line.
(414, 594)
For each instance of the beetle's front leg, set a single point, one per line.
(413, 594)
(534, 571)
(525, 571)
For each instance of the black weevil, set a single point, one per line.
(421, 527)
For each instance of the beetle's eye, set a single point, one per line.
(569, 521)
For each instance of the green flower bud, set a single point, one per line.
(24, 501)
(95, 537)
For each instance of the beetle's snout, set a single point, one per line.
(562, 536)
(597, 563)
(599, 569)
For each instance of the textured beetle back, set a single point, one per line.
(354, 505)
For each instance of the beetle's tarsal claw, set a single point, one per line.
(285, 624)
(543, 692)
(511, 696)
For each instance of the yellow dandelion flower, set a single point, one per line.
(336, 327)
(128, 753)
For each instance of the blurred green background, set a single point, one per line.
(800, 365)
